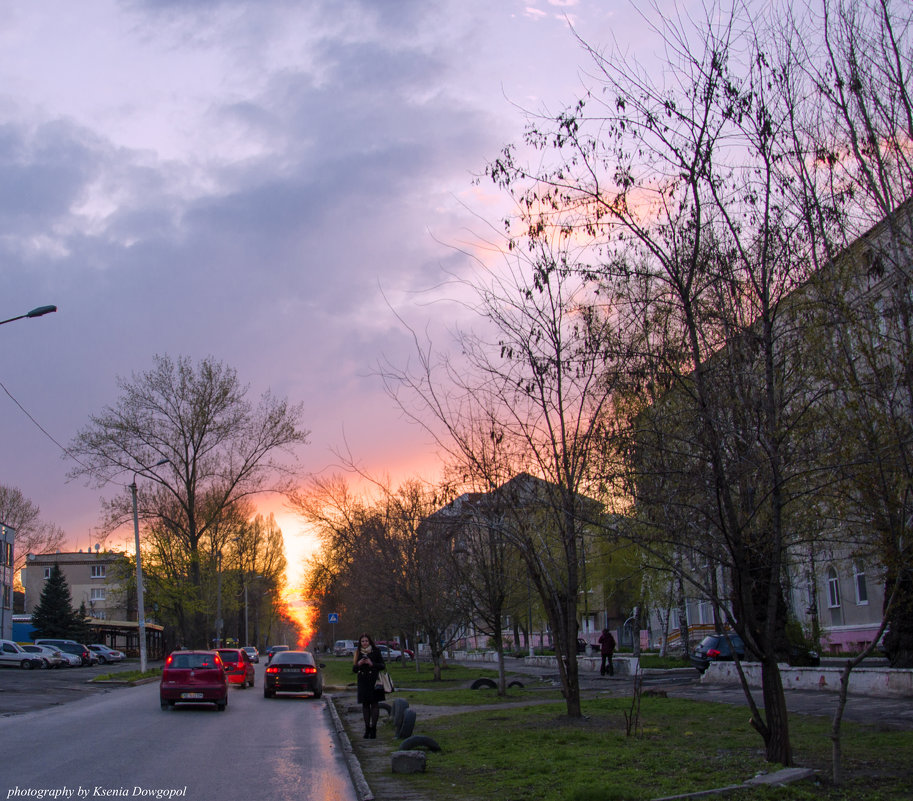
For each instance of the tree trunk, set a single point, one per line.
(776, 737)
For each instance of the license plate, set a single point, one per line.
(191, 696)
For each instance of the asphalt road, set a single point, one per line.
(120, 743)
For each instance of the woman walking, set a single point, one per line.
(368, 662)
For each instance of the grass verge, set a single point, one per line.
(526, 749)
(127, 676)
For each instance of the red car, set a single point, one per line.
(238, 667)
(195, 677)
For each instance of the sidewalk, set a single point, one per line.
(894, 713)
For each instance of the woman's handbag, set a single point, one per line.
(386, 681)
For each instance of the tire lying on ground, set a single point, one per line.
(516, 684)
(385, 706)
(404, 731)
(418, 741)
(488, 683)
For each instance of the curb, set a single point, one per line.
(358, 777)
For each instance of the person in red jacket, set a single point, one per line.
(606, 649)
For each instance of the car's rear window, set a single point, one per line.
(293, 658)
(194, 661)
(230, 656)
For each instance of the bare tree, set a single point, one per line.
(385, 562)
(531, 395)
(32, 534)
(679, 182)
(221, 450)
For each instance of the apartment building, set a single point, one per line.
(97, 579)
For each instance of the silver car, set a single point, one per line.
(106, 654)
(51, 657)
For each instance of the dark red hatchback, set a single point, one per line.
(194, 677)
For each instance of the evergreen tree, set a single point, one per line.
(54, 616)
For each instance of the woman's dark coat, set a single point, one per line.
(369, 691)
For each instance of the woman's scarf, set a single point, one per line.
(365, 652)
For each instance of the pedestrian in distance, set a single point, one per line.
(368, 662)
(606, 649)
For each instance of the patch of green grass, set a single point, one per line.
(337, 672)
(129, 675)
(537, 752)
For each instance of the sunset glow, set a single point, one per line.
(302, 613)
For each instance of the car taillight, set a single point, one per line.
(310, 669)
(169, 660)
(713, 653)
(272, 669)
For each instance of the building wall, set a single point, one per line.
(95, 579)
(7, 535)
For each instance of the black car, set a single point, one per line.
(293, 672)
(717, 648)
(273, 650)
(802, 656)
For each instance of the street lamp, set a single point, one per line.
(39, 312)
(140, 611)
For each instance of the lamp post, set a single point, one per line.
(140, 611)
(39, 312)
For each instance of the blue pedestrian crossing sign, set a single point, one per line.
(333, 617)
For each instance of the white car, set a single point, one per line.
(51, 657)
(12, 655)
(106, 654)
(390, 654)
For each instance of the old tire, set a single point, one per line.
(400, 705)
(516, 684)
(418, 741)
(386, 707)
(478, 684)
(407, 726)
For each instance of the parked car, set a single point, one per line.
(51, 657)
(273, 650)
(70, 660)
(86, 656)
(252, 653)
(12, 655)
(293, 672)
(195, 677)
(717, 648)
(344, 647)
(106, 654)
(393, 653)
(238, 667)
(395, 650)
(803, 656)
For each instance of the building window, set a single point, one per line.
(862, 592)
(833, 589)
(98, 571)
(47, 573)
(97, 594)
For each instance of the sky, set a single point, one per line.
(268, 183)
